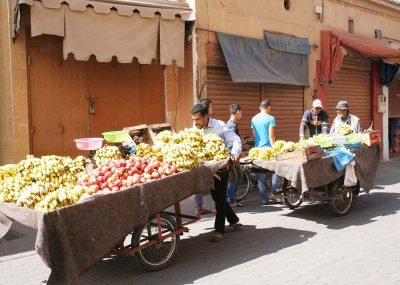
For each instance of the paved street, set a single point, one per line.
(277, 246)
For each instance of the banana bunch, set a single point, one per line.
(288, 147)
(107, 153)
(165, 136)
(182, 156)
(277, 146)
(62, 197)
(34, 178)
(8, 170)
(263, 153)
(144, 149)
(215, 146)
(188, 147)
(345, 129)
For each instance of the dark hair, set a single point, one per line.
(200, 108)
(265, 104)
(206, 102)
(234, 108)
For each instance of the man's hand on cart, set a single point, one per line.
(234, 158)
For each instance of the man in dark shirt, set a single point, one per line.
(314, 120)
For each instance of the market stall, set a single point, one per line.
(84, 214)
(330, 173)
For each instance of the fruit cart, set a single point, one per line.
(318, 180)
(133, 221)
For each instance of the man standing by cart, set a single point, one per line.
(198, 198)
(208, 125)
(263, 125)
(235, 173)
(315, 121)
(345, 119)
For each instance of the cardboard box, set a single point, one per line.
(302, 155)
(371, 138)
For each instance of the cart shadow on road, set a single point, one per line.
(197, 257)
(365, 210)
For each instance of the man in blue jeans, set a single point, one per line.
(235, 171)
(263, 125)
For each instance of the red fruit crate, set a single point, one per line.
(371, 138)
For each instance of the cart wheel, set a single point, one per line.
(292, 198)
(161, 254)
(244, 186)
(342, 198)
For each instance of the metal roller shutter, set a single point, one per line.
(223, 91)
(287, 101)
(287, 106)
(352, 85)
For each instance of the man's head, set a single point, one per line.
(265, 105)
(236, 111)
(200, 115)
(317, 106)
(208, 103)
(342, 109)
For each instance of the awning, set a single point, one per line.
(257, 61)
(124, 29)
(335, 45)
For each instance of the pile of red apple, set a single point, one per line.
(121, 174)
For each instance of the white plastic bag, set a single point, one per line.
(350, 178)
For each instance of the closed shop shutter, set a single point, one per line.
(352, 85)
(287, 101)
(222, 91)
(287, 107)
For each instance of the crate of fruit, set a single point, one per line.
(140, 134)
(303, 154)
(158, 128)
(371, 137)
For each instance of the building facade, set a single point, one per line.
(47, 98)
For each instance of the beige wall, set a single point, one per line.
(179, 92)
(251, 19)
(6, 126)
(14, 119)
(20, 92)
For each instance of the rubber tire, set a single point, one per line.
(290, 204)
(147, 265)
(243, 187)
(334, 187)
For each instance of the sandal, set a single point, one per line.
(216, 237)
(233, 227)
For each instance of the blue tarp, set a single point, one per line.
(341, 158)
(254, 61)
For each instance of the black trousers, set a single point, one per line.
(222, 206)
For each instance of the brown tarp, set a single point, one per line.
(72, 239)
(335, 45)
(315, 173)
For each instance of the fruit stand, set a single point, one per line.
(117, 207)
(308, 176)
